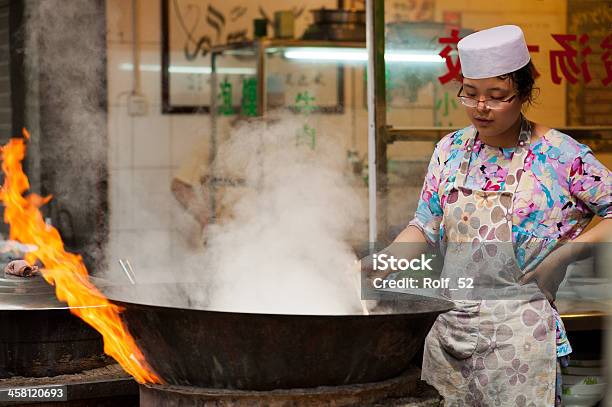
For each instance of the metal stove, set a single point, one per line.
(405, 390)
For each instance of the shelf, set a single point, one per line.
(601, 136)
(268, 43)
(579, 315)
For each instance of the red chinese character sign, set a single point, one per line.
(453, 65)
(566, 60)
(606, 59)
(588, 101)
(570, 62)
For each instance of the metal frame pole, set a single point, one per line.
(214, 111)
(377, 149)
(262, 97)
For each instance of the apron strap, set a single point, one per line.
(518, 157)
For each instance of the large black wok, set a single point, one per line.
(191, 344)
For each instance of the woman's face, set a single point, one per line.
(490, 122)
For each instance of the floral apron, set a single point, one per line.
(497, 346)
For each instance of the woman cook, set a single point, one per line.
(499, 196)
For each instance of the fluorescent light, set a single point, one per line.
(143, 67)
(359, 55)
(327, 54)
(310, 54)
(191, 69)
(412, 57)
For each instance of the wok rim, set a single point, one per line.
(438, 306)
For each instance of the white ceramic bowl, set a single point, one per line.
(586, 380)
(582, 371)
(582, 389)
(580, 401)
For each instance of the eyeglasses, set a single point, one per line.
(494, 104)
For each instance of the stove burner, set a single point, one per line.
(405, 390)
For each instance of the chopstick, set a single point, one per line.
(128, 270)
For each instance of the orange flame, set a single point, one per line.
(66, 271)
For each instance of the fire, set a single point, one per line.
(66, 271)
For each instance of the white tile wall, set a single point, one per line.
(122, 244)
(119, 80)
(152, 248)
(152, 212)
(140, 157)
(121, 200)
(187, 131)
(120, 138)
(152, 141)
(151, 180)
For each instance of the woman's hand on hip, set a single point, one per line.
(548, 275)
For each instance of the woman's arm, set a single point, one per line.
(422, 232)
(589, 183)
(411, 234)
(551, 272)
(409, 244)
(583, 246)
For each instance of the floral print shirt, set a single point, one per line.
(562, 187)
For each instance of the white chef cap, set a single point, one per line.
(493, 52)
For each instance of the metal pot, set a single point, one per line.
(191, 344)
(38, 334)
(336, 25)
(336, 16)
